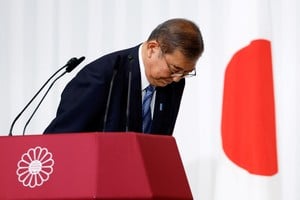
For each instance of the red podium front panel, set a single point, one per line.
(92, 166)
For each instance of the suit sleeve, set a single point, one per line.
(82, 104)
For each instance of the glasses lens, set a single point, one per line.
(179, 73)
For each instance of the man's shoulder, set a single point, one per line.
(110, 57)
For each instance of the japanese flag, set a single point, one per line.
(247, 167)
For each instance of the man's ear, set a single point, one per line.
(152, 48)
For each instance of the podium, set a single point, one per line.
(92, 166)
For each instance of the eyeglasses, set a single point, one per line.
(179, 72)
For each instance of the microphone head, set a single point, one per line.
(81, 59)
(73, 62)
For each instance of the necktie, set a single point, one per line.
(147, 109)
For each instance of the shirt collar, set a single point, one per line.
(144, 80)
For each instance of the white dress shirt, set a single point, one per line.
(144, 80)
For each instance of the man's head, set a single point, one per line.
(171, 51)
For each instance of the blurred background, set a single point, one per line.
(39, 37)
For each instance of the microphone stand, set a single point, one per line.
(37, 107)
(130, 57)
(71, 64)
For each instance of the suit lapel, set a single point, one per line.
(162, 111)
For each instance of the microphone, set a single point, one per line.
(116, 68)
(71, 64)
(130, 57)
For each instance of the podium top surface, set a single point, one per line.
(91, 166)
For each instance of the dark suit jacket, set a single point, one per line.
(83, 101)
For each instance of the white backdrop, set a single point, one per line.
(38, 37)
